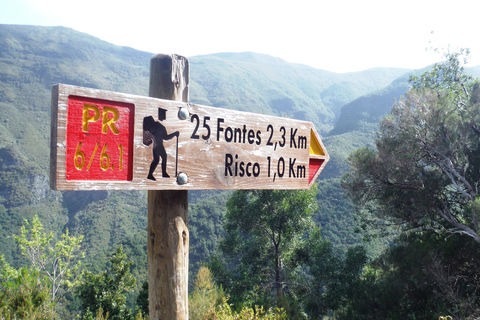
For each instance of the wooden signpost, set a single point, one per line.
(109, 140)
(105, 140)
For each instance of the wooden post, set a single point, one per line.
(168, 238)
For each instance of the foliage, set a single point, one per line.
(142, 300)
(422, 176)
(100, 315)
(274, 255)
(448, 78)
(108, 289)
(224, 311)
(262, 227)
(22, 295)
(38, 289)
(335, 215)
(205, 212)
(424, 170)
(205, 297)
(332, 276)
(423, 276)
(208, 302)
(59, 262)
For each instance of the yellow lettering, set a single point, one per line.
(86, 115)
(81, 155)
(121, 156)
(104, 155)
(110, 122)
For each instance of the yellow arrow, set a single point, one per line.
(318, 157)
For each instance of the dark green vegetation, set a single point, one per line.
(346, 109)
(263, 228)
(274, 255)
(47, 289)
(421, 179)
(107, 290)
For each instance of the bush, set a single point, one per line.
(107, 291)
(22, 296)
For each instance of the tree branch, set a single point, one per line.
(447, 167)
(459, 228)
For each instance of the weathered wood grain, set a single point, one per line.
(168, 236)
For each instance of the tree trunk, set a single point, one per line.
(277, 272)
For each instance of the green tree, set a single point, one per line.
(263, 227)
(422, 276)
(142, 299)
(22, 295)
(59, 262)
(206, 210)
(425, 168)
(448, 78)
(224, 311)
(206, 295)
(332, 277)
(33, 292)
(108, 289)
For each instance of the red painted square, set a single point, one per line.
(99, 139)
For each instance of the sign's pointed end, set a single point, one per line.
(318, 157)
(314, 167)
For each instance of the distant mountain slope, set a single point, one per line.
(260, 83)
(359, 119)
(370, 108)
(54, 54)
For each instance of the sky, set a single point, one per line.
(335, 35)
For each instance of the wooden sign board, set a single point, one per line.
(105, 140)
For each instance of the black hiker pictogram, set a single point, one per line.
(154, 131)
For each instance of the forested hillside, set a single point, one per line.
(345, 108)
